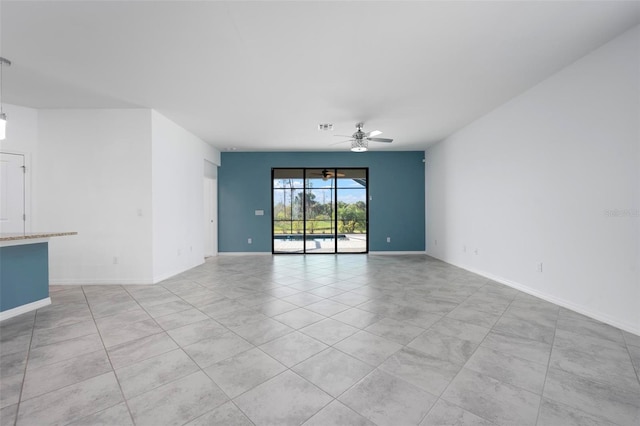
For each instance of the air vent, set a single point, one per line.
(325, 126)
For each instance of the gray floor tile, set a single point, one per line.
(350, 298)
(443, 346)
(12, 364)
(118, 415)
(333, 371)
(491, 399)
(72, 402)
(244, 371)
(42, 337)
(531, 350)
(387, 400)
(214, 349)
(508, 369)
(460, 329)
(397, 331)
(357, 317)
(168, 308)
(327, 307)
(367, 347)
(590, 328)
(227, 414)
(10, 388)
(275, 307)
(299, 318)
(302, 299)
(261, 332)
(474, 316)
(599, 400)
(631, 339)
(607, 366)
(524, 328)
(444, 413)
(337, 414)
(179, 319)
(241, 317)
(287, 399)
(426, 372)
(177, 402)
(56, 352)
(554, 414)
(138, 350)
(151, 373)
(192, 333)
(293, 348)
(329, 331)
(8, 415)
(38, 381)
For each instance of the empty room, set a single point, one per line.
(319, 213)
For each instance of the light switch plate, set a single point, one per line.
(259, 212)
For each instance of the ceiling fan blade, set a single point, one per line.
(336, 143)
(373, 133)
(344, 136)
(380, 140)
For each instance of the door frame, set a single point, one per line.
(304, 209)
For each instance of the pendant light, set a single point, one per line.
(3, 116)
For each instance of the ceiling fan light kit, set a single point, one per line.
(360, 140)
(359, 145)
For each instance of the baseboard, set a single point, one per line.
(607, 319)
(10, 313)
(396, 253)
(244, 253)
(96, 281)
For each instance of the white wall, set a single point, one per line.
(94, 177)
(178, 172)
(535, 181)
(22, 138)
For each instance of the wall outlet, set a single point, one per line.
(436, 242)
(464, 249)
(388, 239)
(249, 241)
(540, 267)
(115, 260)
(476, 251)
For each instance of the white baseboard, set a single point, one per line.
(244, 253)
(97, 281)
(10, 313)
(396, 253)
(623, 325)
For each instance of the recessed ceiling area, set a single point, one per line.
(260, 76)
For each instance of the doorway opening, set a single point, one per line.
(320, 210)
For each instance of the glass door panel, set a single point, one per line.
(319, 211)
(352, 213)
(287, 209)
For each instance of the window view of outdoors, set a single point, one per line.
(319, 210)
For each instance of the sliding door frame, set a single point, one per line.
(335, 234)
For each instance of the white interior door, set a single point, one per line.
(210, 217)
(12, 214)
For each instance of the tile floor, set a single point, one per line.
(314, 340)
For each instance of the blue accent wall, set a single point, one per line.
(396, 188)
(24, 274)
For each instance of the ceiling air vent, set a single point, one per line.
(325, 126)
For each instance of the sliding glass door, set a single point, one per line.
(321, 210)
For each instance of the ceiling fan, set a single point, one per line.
(360, 140)
(327, 174)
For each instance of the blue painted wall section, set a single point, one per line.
(396, 186)
(24, 274)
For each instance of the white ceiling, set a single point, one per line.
(262, 75)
